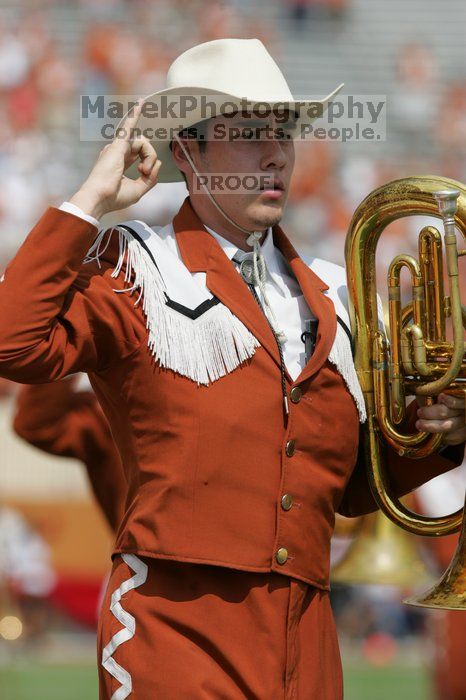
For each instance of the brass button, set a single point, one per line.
(287, 501)
(296, 394)
(290, 448)
(281, 555)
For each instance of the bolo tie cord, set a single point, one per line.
(259, 277)
(280, 350)
(251, 277)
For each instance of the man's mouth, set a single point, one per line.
(273, 185)
(273, 189)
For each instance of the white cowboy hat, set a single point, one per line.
(223, 73)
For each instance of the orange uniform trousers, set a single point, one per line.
(204, 632)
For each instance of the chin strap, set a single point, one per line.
(252, 240)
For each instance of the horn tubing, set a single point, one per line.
(397, 199)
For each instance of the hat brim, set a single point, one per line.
(165, 125)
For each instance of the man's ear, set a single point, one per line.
(183, 154)
(178, 154)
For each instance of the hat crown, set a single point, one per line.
(239, 67)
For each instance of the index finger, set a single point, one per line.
(439, 411)
(131, 119)
(453, 400)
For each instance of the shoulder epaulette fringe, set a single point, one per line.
(341, 357)
(201, 347)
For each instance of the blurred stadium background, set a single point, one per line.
(52, 536)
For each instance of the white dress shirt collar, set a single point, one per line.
(278, 270)
(230, 248)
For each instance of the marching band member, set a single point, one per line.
(239, 441)
(65, 419)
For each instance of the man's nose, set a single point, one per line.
(273, 155)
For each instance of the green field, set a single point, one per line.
(49, 683)
(368, 683)
(80, 683)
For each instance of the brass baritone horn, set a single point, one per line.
(418, 360)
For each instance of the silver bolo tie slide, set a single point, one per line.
(246, 265)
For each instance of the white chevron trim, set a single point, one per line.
(202, 349)
(129, 626)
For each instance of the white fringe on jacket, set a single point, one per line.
(341, 356)
(203, 349)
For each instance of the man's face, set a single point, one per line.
(253, 157)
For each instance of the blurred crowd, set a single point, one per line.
(50, 53)
(114, 47)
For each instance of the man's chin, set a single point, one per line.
(266, 214)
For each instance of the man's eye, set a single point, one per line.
(261, 133)
(288, 129)
(248, 134)
(282, 134)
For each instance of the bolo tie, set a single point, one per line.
(248, 269)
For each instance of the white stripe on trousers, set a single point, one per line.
(129, 626)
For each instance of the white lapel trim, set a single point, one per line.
(340, 354)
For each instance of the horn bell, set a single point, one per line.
(382, 554)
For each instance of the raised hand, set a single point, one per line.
(107, 188)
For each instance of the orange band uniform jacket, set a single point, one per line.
(207, 466)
